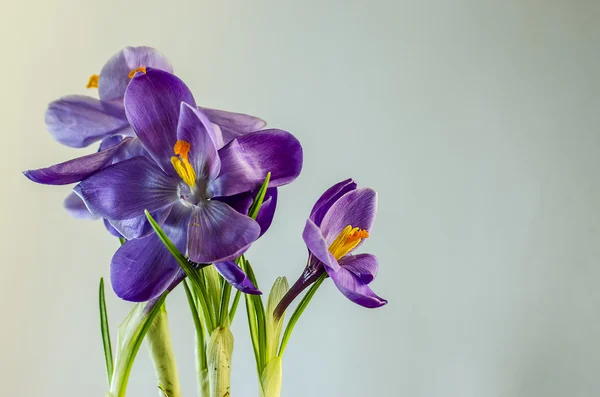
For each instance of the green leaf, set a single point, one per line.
(252, 323)
(201, 363)
(274, 326)
(224, 309)
(234, 305)
(192, 274)
(258, 310)
(108, 358)
(129, 339)
(255, 207)
(212, 282)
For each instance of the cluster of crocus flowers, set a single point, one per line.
(208, 180)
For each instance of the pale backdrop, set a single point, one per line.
(476, 121)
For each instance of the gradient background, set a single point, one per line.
(476, 121)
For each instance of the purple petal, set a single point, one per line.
(266, 213)
(133, 149)
(77, 169)
(246, 161)
(110, 229)
(243, 201)
(195, 129)
(233, 125)
(327, 199)
(218, 233)
(143, 268)
(79, 120)
(76, 207)
(114, 76)
(315, 242)
(110, 142)
(354, 289)
(140, 227)
(356, 208)
(152, 104)
(124, 190)
(239, 202)
(236, 277)
(363, 266)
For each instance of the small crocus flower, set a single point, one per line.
(186, 181)
(339, 222)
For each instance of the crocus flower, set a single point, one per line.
(339, 222)
(185, 182)
(80, 120)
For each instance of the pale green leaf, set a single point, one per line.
(129, 339)
(274, 326)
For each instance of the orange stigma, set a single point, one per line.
(93, 81)
(134, 71)
(182, 148)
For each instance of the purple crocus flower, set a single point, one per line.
(339, 222)
(185, 184)
(80, 120)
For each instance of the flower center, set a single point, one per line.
(181, 163)
(346, 241)
(93, 81)
(134, 71)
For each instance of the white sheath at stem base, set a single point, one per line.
(270, 381)
(218, 353)
(159, 344)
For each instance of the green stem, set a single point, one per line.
(158, 339)
(201, 363)
(224, 309)
(259, 308)
(234, 305)
(298, 312)
(207, 301)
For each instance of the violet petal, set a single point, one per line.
(124, 190)
(218, 233)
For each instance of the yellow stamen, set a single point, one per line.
(181, 164)
(93, 81)
(347, 240)
(134, 71)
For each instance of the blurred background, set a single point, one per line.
(476, 121)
